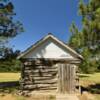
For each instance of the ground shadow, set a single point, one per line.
(94, 89)
(83, 89)
(82, 76)
(8, 87)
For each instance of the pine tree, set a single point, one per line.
(8, 27)
(87, 41)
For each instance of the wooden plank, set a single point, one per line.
(66, 79)
(42, 70)
(59, 78)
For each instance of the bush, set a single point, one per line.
(9, 65)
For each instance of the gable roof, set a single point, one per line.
(49, 36)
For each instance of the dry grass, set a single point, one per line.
(11, 97)
(87, 80)
(93, 78)
(8, 93)
(91, 82)
(15, 97)
(6, 77)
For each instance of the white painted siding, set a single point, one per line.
(48, 49)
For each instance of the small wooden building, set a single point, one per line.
(49, 65)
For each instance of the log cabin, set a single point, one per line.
(49, 65)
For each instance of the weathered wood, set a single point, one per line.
(66, 78)
(42, 70)
(44, 75)
(44, 78)
(39, 86)
(59, 88)
(39, 66)
(51, 75)
(51, 61)
(38, 77)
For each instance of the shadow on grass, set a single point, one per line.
(82, 76)
(95, 89)
(9, 87)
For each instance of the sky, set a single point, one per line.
(40, 17)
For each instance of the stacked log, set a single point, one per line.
(49, 75)
(39, 76)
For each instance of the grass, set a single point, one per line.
(91, 77)
(12, 97)
(10, 92)
(6, 77)
(9, 82)
(97, 97)
(91, 82)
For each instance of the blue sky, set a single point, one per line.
(40, 17)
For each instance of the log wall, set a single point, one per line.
(39, 76)
(48, 75)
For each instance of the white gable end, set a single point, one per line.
(49, 49)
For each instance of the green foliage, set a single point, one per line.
(87, 41)
(9, 63)
(76, 38)
(9, 28)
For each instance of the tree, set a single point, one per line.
(9, 63)
(8, 27)
(87, 41)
